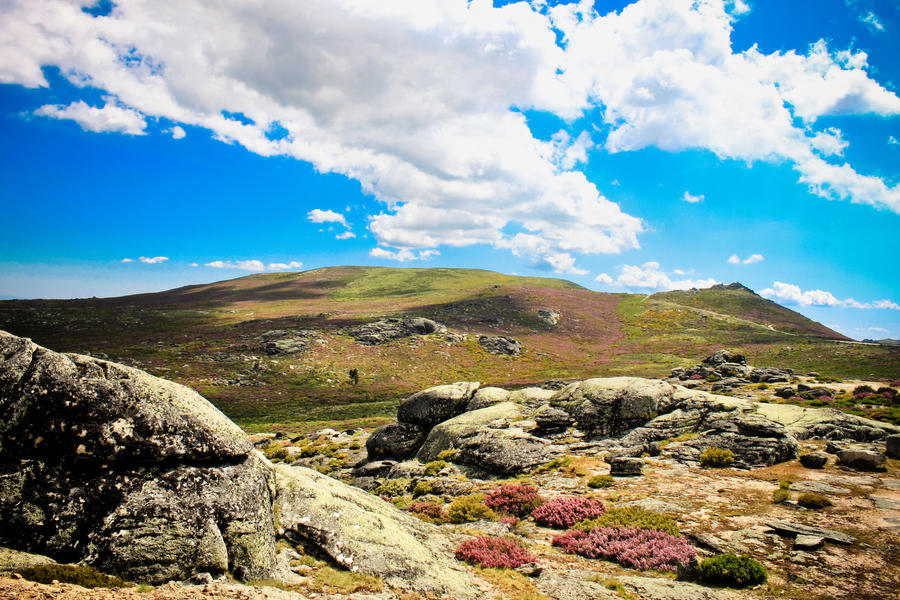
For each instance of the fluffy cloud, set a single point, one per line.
(402, 255)
(153, 260)
(649, 275)
(127, 260)
(178, 133)
(317, 215)
(692, 199)
(441, 141)
(734, 259)
(243, 265)
(792, 294)
(105, 118)
(345, 236)
(289, 266)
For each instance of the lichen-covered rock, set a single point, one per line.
(625, 466)
(770, 375)
(611, 406)
(450, 433)
(531, 397)
(140, 476)
(500, 344)
(502, 451)
(863, 460)
(395, 441)
(755, 441)
(487, 396)
(436, 404)
(550, 420)
(826, 423)
(720, 357)
(366, 534)
(385, 330)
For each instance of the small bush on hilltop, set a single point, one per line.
(470, 508)
(565, 511)
(82, 575)
(490, 552)
(732, 570)
(601, 481)
(632, 516)
(515, 499)
(813, 501)
(716, 458)
(629, 546)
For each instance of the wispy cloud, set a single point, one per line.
(892, 141)
(402, 255)
(105, 118)
(345, 236)
(793, 294)
(649, 275)
(244, 265)
(872, 20)
(318, 215)
(734, 259)
(692, 199)
(288, 266)
(153, 260)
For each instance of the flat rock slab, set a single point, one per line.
(808, 542)
(799, 529)
(854, 480)
(886, 503)
(818, 487)
(652, 588)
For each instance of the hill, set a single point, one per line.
(211, 336)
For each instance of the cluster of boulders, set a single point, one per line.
(386, 330)
(141, 477)
(500, 432)
(726, 369)
(288, 341)
(500, 344)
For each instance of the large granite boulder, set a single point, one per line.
(395, 441)
(386, 330)
(448, 435)
(611, 406)
(500, 344)
(826, 423)
(366, 534)
(436, 404)
(755, 441)
(139, 476)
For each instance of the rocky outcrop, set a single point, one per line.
(134, 474)
(500, 344)
(386, 330)
(286, 341)
(611, 406)
(754, 440)
(364, 533)
(548, 316)
(395, 441)
(826, 423)
(436, 404)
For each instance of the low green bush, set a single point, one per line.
(449, 454)
(716, 458)
(780, 495)
(732, 570)
(393, 487)
(434, 467)
(813, 501)
(631, 516)
(82, 575)
(470, 508)
(275, 452)
(601, 481)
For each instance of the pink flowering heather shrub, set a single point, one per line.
(565, 511)
(629, 546)
(696, 377)
(515, 499)
(432, 511)
(492, 552)
(511, 521)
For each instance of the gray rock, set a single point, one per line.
(365, 534)
(814, 460)
(133, 474)
(395, 441)
(548, 315)
(611, 406)
(625, 466)
(785, 392)
(754, 440)
(818, 487)
(532, 397)
(826, 423)
(386, 330)
(794, 529)
(808, 542)
(892, 449)
(433, 405)
(502, 451)
(283, 341)
(409, 469)
(862, 460)
(720, 357)
(14, 560)
(487, 396)
(375, 468)
(886, 503)
(770, 375)
(500, 344)
(552, 420)
(451, 433)
(657, 588)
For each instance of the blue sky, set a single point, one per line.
(627, 146)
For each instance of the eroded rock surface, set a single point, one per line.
(386, 330)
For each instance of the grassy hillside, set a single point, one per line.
(209, 336)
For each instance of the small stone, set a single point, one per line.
(623, 466)
(808, 542)
(893, 446)
(814, 460)
(16, 576)
(530, 570)
(863, 460)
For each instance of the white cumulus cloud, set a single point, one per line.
(127, 260)
(318, 215)
(153, 260)
(793, 294)
(402, 255)
(243, 265)
(691, 198)
(288, 266)
(734, 259)
(604, 278)
(105, 118)
(178, 132)
(649, 275)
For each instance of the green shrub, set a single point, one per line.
(422, 487)
(813, 501)
(632, 516)
(434, 467)
(556, 464)
(712, 378)
(601, 481)
(762, 386)
(732, 570)
(82, 575)
(449, 454)
(275, 452)
(716, 458)
(780, 495)
(393, 487)
(470, 508)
